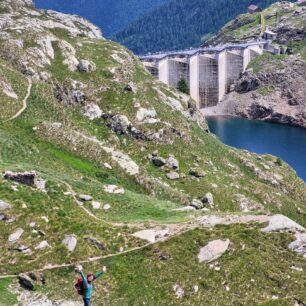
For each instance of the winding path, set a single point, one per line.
(24, 102)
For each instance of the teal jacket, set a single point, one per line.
(89, 287)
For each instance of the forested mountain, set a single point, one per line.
(181, 24)
(111, 16)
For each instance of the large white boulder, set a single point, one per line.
(281, 223)
(213, 250)
(70, 242)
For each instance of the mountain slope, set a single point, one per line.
(279, 94)
(181, 24)
(112, 16)
(114, 153)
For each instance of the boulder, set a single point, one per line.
(26, 282)
(24, 249)
(173, 175)
(86, 66)
(26, 178)
(114, 189)
(197, 204)
(106, 207)
(99, 245)
(16, 235)
(96, 205)
(4, 205)
(172, 163)
(84, 197)
(282, 223)
(146, 115)
(179, 291)
(42, 245)
(92, 111)
(213, 250)
(197, 173)
(246, 204)
(208, 199)
(158, 161)
(299, 245)
(70, 242)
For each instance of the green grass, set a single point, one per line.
(256, 268)
(6, 297)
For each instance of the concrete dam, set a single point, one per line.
(209, 72)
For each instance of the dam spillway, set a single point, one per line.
(209, 72)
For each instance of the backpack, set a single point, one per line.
(79, 286)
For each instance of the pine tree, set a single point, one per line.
(183, 87)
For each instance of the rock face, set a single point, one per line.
(16, 235)
(213, 250)
(248, 82)
(70, 242)
(282, 223)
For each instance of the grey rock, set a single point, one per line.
(197, 173)
(16, 235)
(208, 199)
(282, 223)
(42, 245)
(92, 111)
(99, 245)
(197, 204)
(179, 291)
(70, 242)
(213, 250)
(299, 245)
(86, 66)
(172, 163)
(4, 205)
(26, 178)
(158, 161)
(84, 197)
(26, 282)
(173, 175)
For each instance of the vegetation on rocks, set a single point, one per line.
(94, 122)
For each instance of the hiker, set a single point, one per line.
(84, 285)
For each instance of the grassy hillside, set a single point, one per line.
(76, 155)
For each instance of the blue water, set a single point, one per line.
(289, 143)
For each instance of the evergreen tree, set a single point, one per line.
(183, 87)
